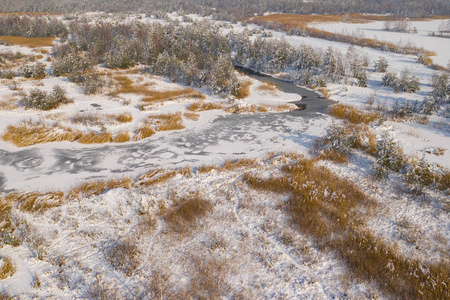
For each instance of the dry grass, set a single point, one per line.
(97, 187)
(121, 137)
(10, 103)
(325, 92)
(7, 268)
(143, 132)
(184, 215)
(285, 107)
(159, 96)
(155, 177)
(202, 106)
(31, 42)
(238, 108)
(232, 164)
(328, 209)
(35, 202)
(125, 118)
(95, 138)
(166, 122)
(268, 87)
(124, 256)
(263, 108)
(333, 155)
(191, 115)
(244, 89)
(28, 133)
(351, 114)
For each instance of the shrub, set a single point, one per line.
(420, 174)
(41, 100)
(381, 65)
(390, 79)
(7, 268)
(408, 83)
(123, 256)
(184, 215)
(389, 156)
(34, 71)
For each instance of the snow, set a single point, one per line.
(78, 234)
(422, 39)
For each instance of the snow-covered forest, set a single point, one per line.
(219, 150)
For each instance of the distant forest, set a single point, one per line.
(235, 9)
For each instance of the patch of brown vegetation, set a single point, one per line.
(97, 187)
(328, 209)
(31, 42)
(166, 122)
(244, 89)
(36, 202)
(10, 103)
(7, 268)
(191, 115)
(28, 133)
(143, 132)
(121, 137)
(268, 87)
(159, 96)
(125, 118)
(95, 138)
(352, 114)
(202, 106)
(183, 216)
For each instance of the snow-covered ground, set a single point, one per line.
(246, 241)
(421, 39)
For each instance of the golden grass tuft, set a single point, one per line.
(268, 86)
(28, 133)
(238, 108)
(159, 96)
(285, 107)
(333, 155)
(263, 108)
(232, 164)
(325, 92)
(98, 186)
(166, 122)
(95, 138)
(244, 89)
(329, 210)
(9, 104)
(121, 137)
(36, 202)
(351, 114)
(143, 132)
(184, 214)
(191, 115)
(7, 268)
(155, 177)
(5, 214)
(125, 118)
(202, 106)
(31, 42)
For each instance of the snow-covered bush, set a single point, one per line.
(420, 174)
(389, 79)
(381, 65)
(389, 156)
(441, 87)
(408, 83)
(32, 71)
(39, 99)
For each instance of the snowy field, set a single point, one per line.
(421, 39)
(126, 241)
